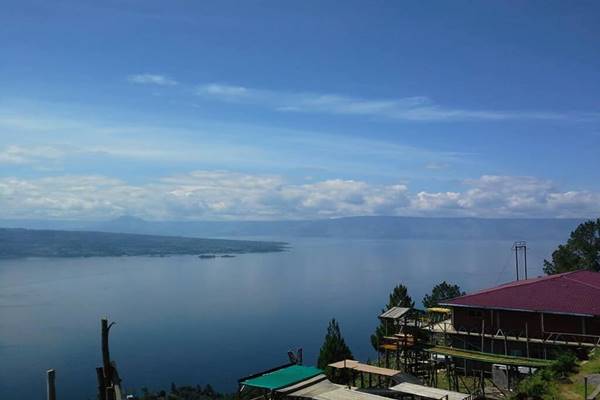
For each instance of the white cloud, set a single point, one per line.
(229, 195)
(509, 196)
(29, 154)
(415, 108)
(152, 79)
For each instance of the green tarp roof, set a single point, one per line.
(283, 377)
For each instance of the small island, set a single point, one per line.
(207, 256)
(20, 243)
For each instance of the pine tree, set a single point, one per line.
(334, 347)
(398, 298)
(441, 291)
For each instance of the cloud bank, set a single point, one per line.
(223, 195)
(415, 108)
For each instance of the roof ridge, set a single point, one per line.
(582, 282)
(524, 282)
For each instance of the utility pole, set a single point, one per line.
(520, 245)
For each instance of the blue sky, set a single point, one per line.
(307, 109)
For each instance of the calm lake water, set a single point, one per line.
(193, 321)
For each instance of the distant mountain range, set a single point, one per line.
(352, 227)
(18, 242)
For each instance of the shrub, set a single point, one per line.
(538, 386)
(564, 364)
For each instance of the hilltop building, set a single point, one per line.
(528, 318)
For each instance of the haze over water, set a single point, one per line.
(192, 321)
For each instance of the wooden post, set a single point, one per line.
(585, 390)
(387, 358)
(106, 364)
(110, 393)
(527, 338)
(101, 383)
(482, 383)
(105, 352)
(51, 388)
(398, 353)
(482, 333)
(448, 372)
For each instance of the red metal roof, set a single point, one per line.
(576, 292)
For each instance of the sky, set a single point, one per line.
(267, 110)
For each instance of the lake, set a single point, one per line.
(195, 321)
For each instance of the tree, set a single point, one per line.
(441, 291)
(334, 347)
(398, 298)
(582, 251)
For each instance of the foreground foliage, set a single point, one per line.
(582, 251)
(544, 384)
(185, 393)
(572, 388)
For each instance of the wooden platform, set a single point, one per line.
(370, 369)
(429, 392)
(446, 327)
(490, 358)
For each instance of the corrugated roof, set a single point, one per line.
(576, 292)
(395, 313)
(283, 377)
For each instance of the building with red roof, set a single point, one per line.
(526, 317)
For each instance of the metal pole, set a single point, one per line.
(525, 254)
(517, 260)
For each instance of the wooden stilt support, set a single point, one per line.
(482, 334)
(387, 358)
(101, 383)
(448, 373)
(527, 338)
(106, 366)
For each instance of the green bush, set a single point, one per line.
(539, 386)
(564, 364)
